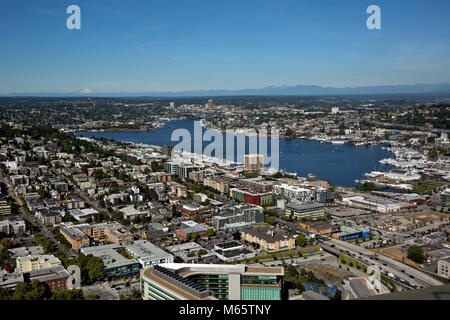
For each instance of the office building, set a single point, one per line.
(180, 281)
(309, 211)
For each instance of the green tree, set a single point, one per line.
(34, 291)
(6, 243)
(300, 240)
(270, 219)
(209, 232)
(100, 174)
(5, 255)
(416, 254)
(75, 294)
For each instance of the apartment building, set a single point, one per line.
(33, 263)
(107, 232)
(220, 184)
(268, 239)
(9, 227)
(75, 237)
(238, 217)
(252, 197)
(294, 192)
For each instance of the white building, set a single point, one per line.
(402, 175)
(129, 212)
(148, 254)
(16, 227)
(33, 263)
(381, 205)
(294, 192)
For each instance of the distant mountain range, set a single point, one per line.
(300, 90)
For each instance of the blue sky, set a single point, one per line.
(155, 45)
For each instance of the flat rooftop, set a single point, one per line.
(178, 290)
(146, 250)
(109, 255)
(304, 206)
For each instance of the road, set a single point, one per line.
(386, 265)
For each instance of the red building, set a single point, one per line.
(252, 198)
(56, 278)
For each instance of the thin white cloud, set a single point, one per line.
(86, 91)
(48, 12)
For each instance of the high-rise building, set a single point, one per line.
(182, 281)
(253, 162)
(210, 104)
(172, 104)
(334, 110)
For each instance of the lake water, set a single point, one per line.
(338, 164)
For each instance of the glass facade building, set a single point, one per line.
(185, 281)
